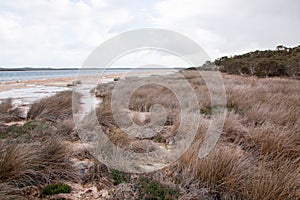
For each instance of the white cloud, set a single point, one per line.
(152, 57)
(55, 32)
(232, 26)
(64, 32)
(99, 3)
(10, 27)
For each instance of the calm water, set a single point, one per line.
(6, 76)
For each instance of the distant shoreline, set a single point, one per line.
(65, 80)
(62, 69)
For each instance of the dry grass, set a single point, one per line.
(24, 165)
(9, 192)
(259, 150)
(57, 107)
(276, 183)
(223, 172)
(256, 157)
(258, 154)
(8, 113)
(274, 143)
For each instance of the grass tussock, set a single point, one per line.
(257, 155)
(9, 192)
(274, 183)
(222, 172)
(24, 165)
(57, 107)
(274, 143)
(8, 113)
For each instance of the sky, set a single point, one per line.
(63, 33)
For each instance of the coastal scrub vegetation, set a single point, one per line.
(283, 61)
(257, 155)
(57, 189)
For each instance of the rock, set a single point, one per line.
(74, 83)
(77, 82)
(103, 89)
(100, 94)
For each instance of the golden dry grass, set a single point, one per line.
(256, 157)
(35, 164)
(8, 113)
(258, 153)
(57, 107)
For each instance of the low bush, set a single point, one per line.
(150, 189)
(119, 176)
(57, 188)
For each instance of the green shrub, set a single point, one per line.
(119, 176)
(57, 189)
(160, 139)
(149, 189)
(25, 130)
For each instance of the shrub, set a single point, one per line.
(119, 176)
(150, 189)
(57, 188)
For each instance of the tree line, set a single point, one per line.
(283, 61)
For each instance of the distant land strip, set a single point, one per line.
(49, 69)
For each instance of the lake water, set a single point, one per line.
(24, 97)
(6, 76)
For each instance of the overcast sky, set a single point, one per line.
(62, 33)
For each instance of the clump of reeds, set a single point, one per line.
(8, 113)
(57, 107)
(24, 165)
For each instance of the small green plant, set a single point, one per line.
(3, 136)
(29, 126)
(206, 111)
(160, 139)
(57, 188)
(153, 190)
(209, 110)
(25, 130)
(119, 176)
(16, 129)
